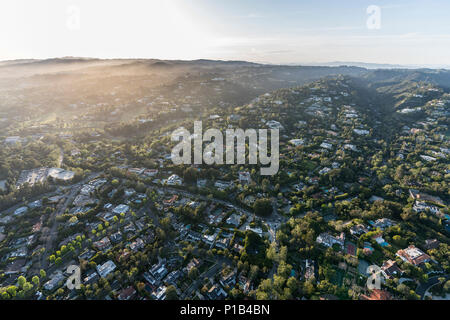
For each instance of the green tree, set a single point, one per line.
(35, 280)
(263, 207)
(171, 293)
(193, 273)
(21, 281)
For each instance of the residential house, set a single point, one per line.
(127, 294)
(91, 278)
(358, 230)
(55, 280)
(390, 269)
(216, 293)
(377, 294)
(106, 268)
(174, 180)
(137, 245)
(121, 208)
(229, 280)
(103, 244)
(431, 244)
(234, 220)
(328, 240)
(173, 277)
(158, 271)
(160, 293)
(413, 255)
(194, 263)
(222, 243)
(223, 185)
(244, 177)
(422, 206)
(310, 270)
(383, 223)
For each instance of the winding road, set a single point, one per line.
(422, 288)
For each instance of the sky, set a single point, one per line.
(412, 32)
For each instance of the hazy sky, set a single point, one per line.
(281, 31)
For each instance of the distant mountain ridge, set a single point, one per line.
(370, 65)
(271, 76)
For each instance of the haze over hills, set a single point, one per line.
(153, 72)
(113, 92)
(32, 66)
(86, 174)
(368, 65)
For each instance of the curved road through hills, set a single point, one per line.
(432, 281)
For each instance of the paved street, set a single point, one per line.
(432, 281)
(52, 234)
